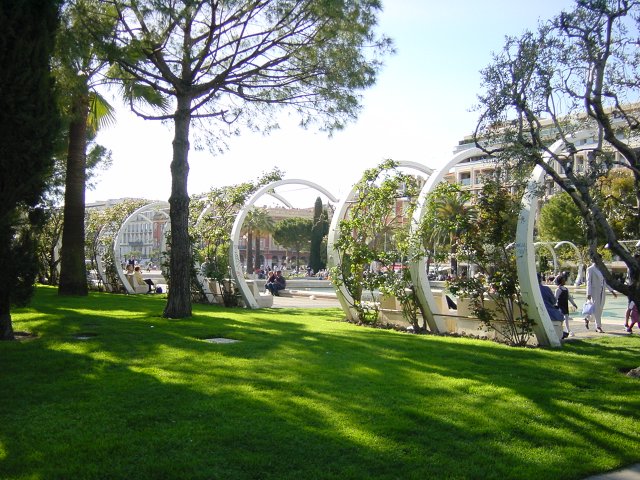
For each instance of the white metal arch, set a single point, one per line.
(416, 267)
(333, 260)
(525, 249)
(275, 195)
(580, 276)
(102, 274)
(100, 268)
(550, 249)
(234, 251)
(156, 207)
(204, 282)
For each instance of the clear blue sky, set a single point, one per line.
(418, 110)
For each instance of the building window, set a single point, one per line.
(465, 178)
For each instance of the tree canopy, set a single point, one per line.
(319, 231)
(577, 73)
(560, 219)
(294, 233)
(236, 62)
(448, 213)
(29, 123)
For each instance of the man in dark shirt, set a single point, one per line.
(278, 283)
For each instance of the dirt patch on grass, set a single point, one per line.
(221, 340)
(85, 336)
(24, 336)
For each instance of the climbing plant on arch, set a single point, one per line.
(211, 220)
(368, 242)
(100, 235)
(435, 311)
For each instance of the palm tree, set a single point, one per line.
(259, 223)
(451, 213)
(80, 70)
(248, 231)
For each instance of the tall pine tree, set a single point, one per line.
(29, 124)
(318, 231)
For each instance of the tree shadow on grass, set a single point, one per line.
(325, 399)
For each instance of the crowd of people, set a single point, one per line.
(557, 303)
(263, 272)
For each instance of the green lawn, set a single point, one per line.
(302, 395)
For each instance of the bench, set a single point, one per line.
(137, 287)
(264, 300)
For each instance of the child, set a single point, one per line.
(587, 310)
(563, 298)
(633, 314)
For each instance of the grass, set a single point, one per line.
(302, 395)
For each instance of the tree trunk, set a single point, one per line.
(250, 252)
(454, 259)
(257, 249)
(7, 278)
(6, 327)
(53, 266)
(179, 301)
(73, 274)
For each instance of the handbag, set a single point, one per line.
(588, 308)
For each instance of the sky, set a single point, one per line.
(419, 109)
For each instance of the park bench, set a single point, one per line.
(137, 286)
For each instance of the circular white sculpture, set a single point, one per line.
(234, 251)
(525, 250)
(344, 297)
(416, 266)
(144, 211)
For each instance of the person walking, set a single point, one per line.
(563, 298)
(597, 294)
(632, 317)
(549, 300)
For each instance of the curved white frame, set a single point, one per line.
(234, 251)
(416, 267)
(525, 250)
(155, 206)
(343, 295)
(553, 246)
(580, 276)
(100, 268)
(551, 251)
(204, 283)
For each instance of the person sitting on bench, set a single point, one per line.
(276, 284)
(139, 280)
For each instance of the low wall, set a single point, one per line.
(458, 321)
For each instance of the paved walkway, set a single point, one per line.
(629, 473)
(612, 315)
